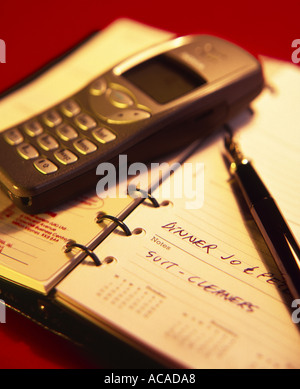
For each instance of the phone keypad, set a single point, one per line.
(120, 99)
(70, 108)
(84, 146)
(27, 151)
(58, 137)
(13, 137)
(33, 128)
(65, 156)
(66, 132)
(103, 135)
(85, 122)
(115, 103)
(47, 142)
(45, 166)
(52, 118)
(128, 116)
(98, 87)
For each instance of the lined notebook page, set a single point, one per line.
(32, 246)
(271, 138)
(196, 287)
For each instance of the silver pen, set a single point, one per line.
(272, 225)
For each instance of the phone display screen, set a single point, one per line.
(164, 79)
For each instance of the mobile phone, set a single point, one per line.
(148, 105)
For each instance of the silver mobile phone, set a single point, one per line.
(151, 104)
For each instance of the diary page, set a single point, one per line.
(271, 138)
(196, 287)
(32, 246)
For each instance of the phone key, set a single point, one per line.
(98, 87)
(85, 122)
(128, 116)
(27, 151)
(52, 118)
(70, 108)
(45, 166)
(33, 128)
(66, 132)
(84, 146)
(120, 99)
(65, 156)
(13, 136)
(103, 135)
(47, 142)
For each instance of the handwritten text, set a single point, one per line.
(254, 271)
(201, 283)
(172, 227)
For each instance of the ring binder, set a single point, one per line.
(116, 220)
(150, 197)
(120, 223)
(71, 244)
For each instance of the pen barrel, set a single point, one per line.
(280, 240)
(250, 183)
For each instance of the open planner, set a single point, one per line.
(193, 285)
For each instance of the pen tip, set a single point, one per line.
(229, 144)
(227, 141)
(233, 152)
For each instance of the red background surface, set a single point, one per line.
(36, 32)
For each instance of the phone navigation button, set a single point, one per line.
(120, 99)
(128, 116)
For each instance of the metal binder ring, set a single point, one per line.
(116, 220)
(149, 196)
(71, 243)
